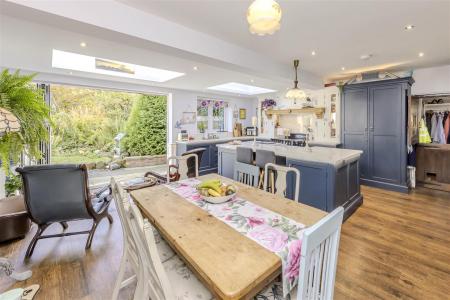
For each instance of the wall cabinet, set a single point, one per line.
(374, 120)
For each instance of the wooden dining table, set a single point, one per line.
(229, 264)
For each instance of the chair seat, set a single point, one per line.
(164, 250)
(275, 292)
(184, 282)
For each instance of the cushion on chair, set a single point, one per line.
(164, 250)
(275, 292)
(98, 203)
(184, 282)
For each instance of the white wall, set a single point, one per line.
(434, 80)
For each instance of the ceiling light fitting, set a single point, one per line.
(83, 44)
(195, 68)
(409, 27)
(343, 68)
(263, 17)
(295, 93)
(421, 54)
(365, 56)
(313, 53)
(8, 122)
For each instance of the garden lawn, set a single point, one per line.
(79, 159)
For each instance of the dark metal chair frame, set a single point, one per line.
(96, 216)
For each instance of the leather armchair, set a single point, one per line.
(60, 193)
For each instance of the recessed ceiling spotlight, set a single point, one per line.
(251, 80)
(70, 73)
(313, 53)
(83, 44)
(195, 68)
(343, 68)
(365, 56)
(409, 27)
(421, 54)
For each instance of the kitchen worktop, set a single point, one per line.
(333, 156)
(217, 141)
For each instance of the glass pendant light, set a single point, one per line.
(295, 93)
(264, 17)
(8, 122)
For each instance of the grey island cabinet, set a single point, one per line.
(208, 162)
(329, 177)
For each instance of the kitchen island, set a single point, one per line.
(209, 159)
(329, 177)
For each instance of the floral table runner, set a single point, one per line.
(273, 231)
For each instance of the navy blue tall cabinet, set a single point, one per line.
(374, 120)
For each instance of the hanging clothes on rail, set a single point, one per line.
(439, 136)
(433, 128)
(428, 116)
(447, 126)
(424, 135)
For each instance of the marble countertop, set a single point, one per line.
(217, 141)
(335, 156)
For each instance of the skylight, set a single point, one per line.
(85, 63)
(239, 88)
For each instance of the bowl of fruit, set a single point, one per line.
(215, 191)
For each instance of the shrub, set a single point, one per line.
(146, 127)
(87, 120)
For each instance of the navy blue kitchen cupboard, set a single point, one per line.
(374, 120)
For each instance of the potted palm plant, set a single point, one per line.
(23, 101)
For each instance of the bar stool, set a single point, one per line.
(244, 155)
(264, 157)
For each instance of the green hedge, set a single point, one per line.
(146, 127)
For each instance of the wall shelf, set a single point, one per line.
(318, 111)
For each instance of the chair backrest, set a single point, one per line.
(281, 179)
(318, 258)
(244, 155)
(182, 167)
(246, 173)
(264, 157)
(191, 161)
(56, 193)
(155, 281)
(122, 201)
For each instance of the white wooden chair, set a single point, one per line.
(157, 280)
(130, 255)
(278, 185)
(246, 173)
(182, 169)
(318, 261)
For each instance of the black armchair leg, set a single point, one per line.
(33, 242)
(91, 234)
(64, 225)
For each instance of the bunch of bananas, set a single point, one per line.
(215, 188)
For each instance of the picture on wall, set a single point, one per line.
(189, 117)
(242, 113)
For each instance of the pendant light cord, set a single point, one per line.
(296, 62)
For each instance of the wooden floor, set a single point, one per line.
(395, 246)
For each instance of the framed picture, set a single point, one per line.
(188, 118)
(242, 113)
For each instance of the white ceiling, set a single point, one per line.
(213, 35)
(339, 31)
